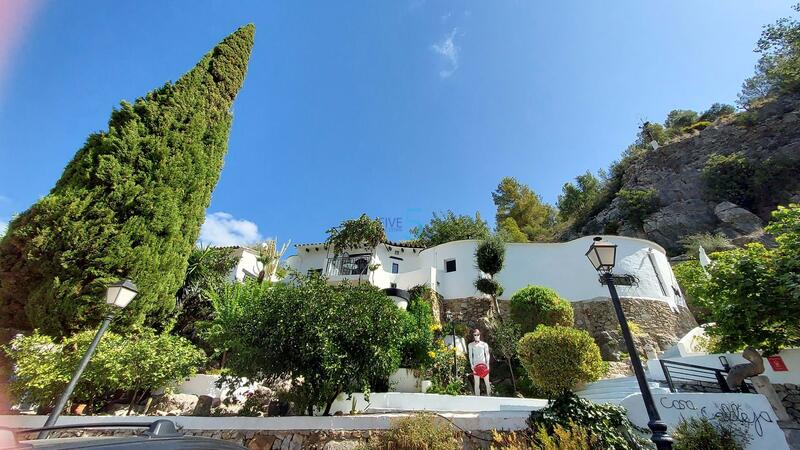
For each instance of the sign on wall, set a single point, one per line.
(751, 412)
(777, 363)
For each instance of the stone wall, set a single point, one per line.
(470, 311)
(282, 440)
(660, 327)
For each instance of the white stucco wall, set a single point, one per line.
(561, 266)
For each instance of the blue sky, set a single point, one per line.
(396, 109)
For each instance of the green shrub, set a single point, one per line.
(751, 292)
(133, 363)
(716, 111)
(488, 286)
(697, 434)
(567, 437)
(417, 338)
(446, 372)
(490, 255)
(420, 431)
(729, 177)
(747, 118)
(558, 358)
(691, 275)
(607, 424)
(711, 242)
(697, 126)
(536, 305)
(637, 204)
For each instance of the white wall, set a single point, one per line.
(750, 411)
(561, 266)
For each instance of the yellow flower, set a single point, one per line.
(432, 354)
(435, 327)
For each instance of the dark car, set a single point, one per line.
(160, 435)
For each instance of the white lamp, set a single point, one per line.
(121, 293)
(602, 255)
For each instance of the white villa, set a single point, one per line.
(654, 302)
(451, 270)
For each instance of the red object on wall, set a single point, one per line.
(777, 363)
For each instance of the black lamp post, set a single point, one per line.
(118, 295)
(449, 315)
(602, 255)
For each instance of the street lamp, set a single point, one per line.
(602, 255)
(118, 295)
(449, 315)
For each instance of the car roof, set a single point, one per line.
(134, 443)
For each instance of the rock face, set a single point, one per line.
(770, 140)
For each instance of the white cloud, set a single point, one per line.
(448, 50)
(221, 228)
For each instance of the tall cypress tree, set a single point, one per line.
(129, 204)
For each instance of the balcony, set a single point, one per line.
(348, 266)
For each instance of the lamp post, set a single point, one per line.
(602, 255)
(449, 315)
(118, 295)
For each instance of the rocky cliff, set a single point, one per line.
(768, 137)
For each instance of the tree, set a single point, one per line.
(509, 231)
(576, 198)
(335, 338)
(356, 233)
(489, 257)
(129, 204)
(517, 201)
(268, 256)
(778, 69)
(716, 111)
(679, 118)
(753, 293)
(450, 227)
(532, 306)
(208, 269)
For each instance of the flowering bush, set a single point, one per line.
(447, 370)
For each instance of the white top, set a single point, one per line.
(478, 353)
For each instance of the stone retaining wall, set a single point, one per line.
(281, 440)
(661, 327)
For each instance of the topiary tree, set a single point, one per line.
(532, 306)
(489, 257)
(129, 204)
(558, 358)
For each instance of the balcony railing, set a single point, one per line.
(348, 266)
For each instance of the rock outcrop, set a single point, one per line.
(769, 138)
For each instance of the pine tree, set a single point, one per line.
(129, 204)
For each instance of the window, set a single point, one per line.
(450, 265)
(395, 268)
(394, 285)
(314, 272)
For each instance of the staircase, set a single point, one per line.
(615, 389)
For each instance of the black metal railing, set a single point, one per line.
(684, 377)
(350, 265)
